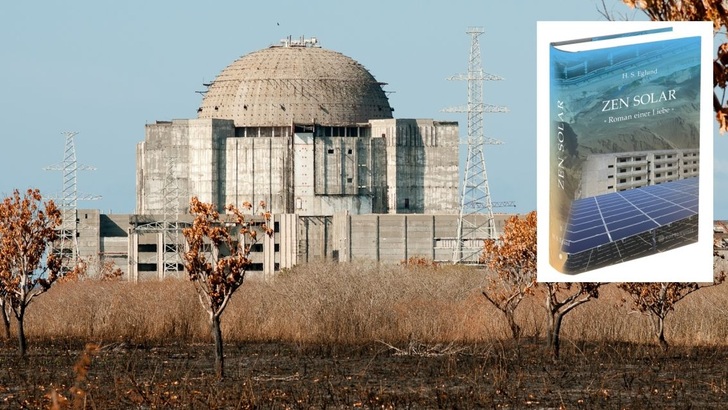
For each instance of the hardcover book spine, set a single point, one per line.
(559, 202)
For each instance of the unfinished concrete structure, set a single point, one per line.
(306, 130)
(344, 237)
(310, 132)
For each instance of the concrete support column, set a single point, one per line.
(288, 240)
(269, 256)
(160, 255)
(132, 263)
(341, 235)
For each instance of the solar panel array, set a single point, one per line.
(603, 219)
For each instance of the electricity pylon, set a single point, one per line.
(68, 202)
(475, 220)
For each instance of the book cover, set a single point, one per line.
(624, 148)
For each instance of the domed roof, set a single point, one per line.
(295, 82)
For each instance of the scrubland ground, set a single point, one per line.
(347, 336)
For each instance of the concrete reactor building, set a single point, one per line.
(311, 133)
(307, 130)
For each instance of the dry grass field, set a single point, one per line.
(349, 336)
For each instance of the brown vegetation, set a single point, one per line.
(512, 258)
(350, 303)
(218, 272)
(346, 335)
(27, 269)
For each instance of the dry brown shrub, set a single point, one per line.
(120, 311)
(354, 303)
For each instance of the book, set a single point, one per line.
(625, 157)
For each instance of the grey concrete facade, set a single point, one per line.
(133, 244)
(383, 166)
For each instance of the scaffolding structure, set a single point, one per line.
(172, 228)
(169, 229)
(475, 220)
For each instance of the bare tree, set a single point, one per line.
(611, 14)
(512, 258)
(26, 231)
(562, 298)
(217, 258)
(659, 299)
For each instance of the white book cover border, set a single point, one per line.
(689, 263)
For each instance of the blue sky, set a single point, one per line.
(106, 69)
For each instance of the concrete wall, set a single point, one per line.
(163, 140)
(136, 244)
(394, 238)
(328, 177)
(258, 169)
(397, 166)
(205, 168)
(421, 164)
(196, 148)
(88, 233)
(314, 241)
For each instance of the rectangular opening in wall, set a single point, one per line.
(330, 150)
(349, 151)
(406, 203)
(147, 267)
(147, 247)
(349, 180)
(610, 187)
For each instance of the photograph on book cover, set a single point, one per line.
(624, 149)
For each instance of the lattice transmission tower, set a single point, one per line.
(67, 246)
(171, 227)
(475, 220)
